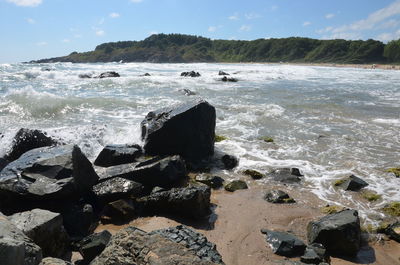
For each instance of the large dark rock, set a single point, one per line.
(91, 246)
(3, 163)
(352, 183)
(284, 244)
(108, 74)
(46, 229)
(278, 196)
(134, 246)
(118, 212)
(117, 188)
(118, 154)
(286, 175)
(15, 247)
(190, 74)
(46, 175)
(191, 202)
(193, 241)
(187, 129)
(162, 172)
(26, 140)
(340, 233)
(79, 220)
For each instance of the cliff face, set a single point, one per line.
(178, 48)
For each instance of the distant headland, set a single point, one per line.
(179, 48)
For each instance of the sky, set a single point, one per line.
(37, 29)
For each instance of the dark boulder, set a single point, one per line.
(46, 229)
(393, 231)
(15, 247)
(3, 163)
(229, 161)
(146, 74)
(108, 74)
(229, 79)
(163, 172)
(194, 241)
(117, 154)
(91, 246)
(193, 202)
(222, 73)
(352, 183)
(190, 74)
(44, 176)
(134, 246)
(284, 244)
(27, 139)
(187, 129)
(85, 76)
(339, 233)
(118, 212)
(79, 220)
(117, 188)
(278, 196)
(315, 254)
(286, 175)
(236, 185)
(214, 182)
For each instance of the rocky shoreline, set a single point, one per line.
(55, 203)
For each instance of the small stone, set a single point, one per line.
(278, 196)
(314, 254)
(284, 244)
(236, 185)
(229, 161)
(254, 174)
(352, 183)
(214, 182)
(393, 231)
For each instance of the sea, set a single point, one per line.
(329, 122)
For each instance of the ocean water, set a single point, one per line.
(329, 122)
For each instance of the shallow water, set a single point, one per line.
(329, 122)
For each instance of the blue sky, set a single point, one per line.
(34, 29)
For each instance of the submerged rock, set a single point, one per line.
(254, 174)
(45, 176)
(146, 74)
(117, 188)
(229, 161)
(27, 139)
(91, 246)
(194, 241)
(85, 76)
(395, 171)
(339, 233)
(15, 247)
(278, 196)
(190, 74)
(236, 185)
(117, 154)
(286, 175)
(193, 202)
(284, 244)
(134, 246)
(214, 182)
(187, 129)
(222, 73)
(187, 92)
(108, 74)
(352, 183)
(229, 79)
(46, 229)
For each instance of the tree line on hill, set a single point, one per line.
(179, 48)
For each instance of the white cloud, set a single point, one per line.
(212, 28)
(136, 1)
(329, 16)
(114, 15)
(153, 32)
(245, 28)
(30, 21)
(386, 37)
(66, 40)
(234, 17)
(274, 7)
(252, 15)
(100, 32)
(26, 2)
(42, 43)
(306, 23)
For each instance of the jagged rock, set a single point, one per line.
(236, 185)
(339, 233)
(119, 211)
(222, 73)
(187, 92)
(229, 161)
(197, 242)
(3, 163)
(15, 247)
(284, 244)
(393, 231)
(286, 175)
(85, 76)
(186, 129)
(134, 246)
(254, 174)
(146, 74)
(278, 196)
(91, 246)
(117, 188)
(214, 182)
(108, 74)
(46, 229)
(79, 220)
(54, 261)
(117, 154)
(161, 172)
(191, 201)
(191, 74)
(352, 183)
(44, 176)
(26, 140)
(315, 254)
(229, 79)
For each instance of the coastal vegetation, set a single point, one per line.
(180, 48)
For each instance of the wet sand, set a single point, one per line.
(238, 217)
